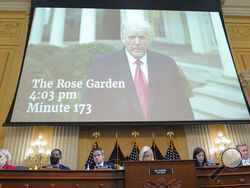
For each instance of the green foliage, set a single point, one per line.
(51, 63)
(64, 62)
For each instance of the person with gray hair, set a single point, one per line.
(5, 157)
(146, 154)
(136, 37)
(137, 84)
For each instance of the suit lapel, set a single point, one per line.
(151, 81)
(130, 86)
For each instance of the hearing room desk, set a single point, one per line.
(239, 177)
(61, 179)
(111, 178)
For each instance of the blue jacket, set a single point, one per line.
(201, 165)
(62, 167)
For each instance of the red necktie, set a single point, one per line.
(141, 88)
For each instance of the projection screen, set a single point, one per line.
(80, 67)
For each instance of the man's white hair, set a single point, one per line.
(143, 150)
(136, 25)
(6, 153)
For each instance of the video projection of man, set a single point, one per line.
(136, 83)
(127, 65)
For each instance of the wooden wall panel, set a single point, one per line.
(238, 32)
(3, 60)
(239, 55)
(246, 59)
(13, 32)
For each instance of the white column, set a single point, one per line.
(224, 52)
(37, 27)
(174, 29)
(199, 31)
(17, 141)
(88, 26)
(135, 15)
(57, 27)
(66, 138)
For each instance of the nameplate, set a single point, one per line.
(160, 171)
(50, 167)
(211, 164)
(103, 167)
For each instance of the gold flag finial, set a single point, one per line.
(153, 135)
(96, 134)
(135, 134)
(116, 135)
(170, 134)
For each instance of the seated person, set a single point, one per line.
(146, 154)
(55, 157)
(5, 157)
(243, 148)
(98, 155)
(200, 157)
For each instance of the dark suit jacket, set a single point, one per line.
(168, 98)
(62, 167)
(104, 164)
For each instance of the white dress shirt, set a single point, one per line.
(246, 162)
(101, 164)
(132, 64)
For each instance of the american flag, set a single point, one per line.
(172, 153)
(134, 155)
(90, 160)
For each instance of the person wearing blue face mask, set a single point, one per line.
(55, 157)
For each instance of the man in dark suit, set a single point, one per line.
(55, 157)
(134, 83)
(243, 148)
(98, 155)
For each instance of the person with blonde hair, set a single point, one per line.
(146, 154)
(243, 148)
(5, 157)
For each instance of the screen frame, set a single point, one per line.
(182, 5)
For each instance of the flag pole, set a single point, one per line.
(153, 134)
(96, 134)
(135, 134)
(170, 134)
(116, 136)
